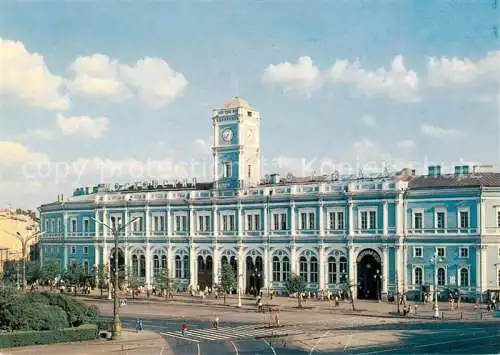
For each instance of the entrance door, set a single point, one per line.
(204, 272)
(254, 275)
(369, 275)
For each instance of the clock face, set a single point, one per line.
(227, 135)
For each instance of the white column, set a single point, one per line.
(215, 217)
(398, 267)
(322, 267)
(266, 222)
(241, 268)
(104, 229)
(192, 224)
(385, 271)
(126, 251)
(482, 217)
(240, 220)
(169, 223)
(192, 265)
(170, 260)
(385, 218)
(266, 267)
(215, 264)
(484, 269)
(399, 217)
(148, 265)
(321, 220)
(97, 255)
(65, 260)
(478, 270)
(293, 258)
(292, 220)
(351, 217)
(404, 267)
(66, 245)
(352, 278)
(148, 222)
(40, 254)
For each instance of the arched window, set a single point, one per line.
(185, 270)
(464, 277)
(142, 261)
(201, 264)
(135, 265)
(156, 265)
(209, 263)
(417, 276)
(286, 268)
(223, 260)
(303, 268)
(332, 270)
(441, 276)
(343, 269)
(164, 264)
(178, 267)
(276, 269)
(313, 274)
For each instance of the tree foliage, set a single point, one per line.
(50, 271)
(296, 284)
(102, 277)
(227, 280)
(133, 281)
(164, 282)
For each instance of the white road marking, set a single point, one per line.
(198, 346)
(180, 337)
(235, 348)
(274, 351)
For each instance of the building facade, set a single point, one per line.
(381, 234)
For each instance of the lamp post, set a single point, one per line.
(377, 284)
(117, 327)
(435, 259)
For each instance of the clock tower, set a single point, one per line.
(235, 145)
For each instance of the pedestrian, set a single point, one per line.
(276, 321)
(216, 322)
(184, 328)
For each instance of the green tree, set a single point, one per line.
(227, 279)
(75, 276)
(33, 272)
(102, 277)
(296, 284)
(133, 281)
(49, 271)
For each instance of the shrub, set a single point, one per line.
(65, 335)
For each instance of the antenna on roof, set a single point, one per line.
(360, 173)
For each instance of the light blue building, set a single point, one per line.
(381, 234)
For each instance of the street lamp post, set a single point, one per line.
(117, 326)
(377, 284)
(239, 290)
(435, 261)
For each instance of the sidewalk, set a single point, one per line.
(142, 343)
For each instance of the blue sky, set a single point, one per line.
(335, 104)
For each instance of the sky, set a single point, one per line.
(113, 91)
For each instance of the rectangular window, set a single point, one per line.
(418, 220)
(228, 223)
(364, 220)
(253, 222)
(440, 220)
(85, 250)
(307, 221)
(73, 226)
(498, 218)
(373, 220)
(441, 252)
(340, 220)
(73, 249)
(418, 252)
(228, 171)
(303, 220)
(85, 225)
(249, 171)
(279, 221)
(464, 219)
(464, 252)
(203, 223)
(180, 223)
(336, 220)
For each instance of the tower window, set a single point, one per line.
(249, 171)
(228, 171)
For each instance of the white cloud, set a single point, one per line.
(25, 75)
(12, 154)
(299, 76)
(38, 134)
(438, 132)
(151, 80)
(201, 146)
(406, 144)
(87, 126)
(443, 71)
(368, 120)
(396, 82)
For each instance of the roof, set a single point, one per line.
(452, 180)
(236, 102)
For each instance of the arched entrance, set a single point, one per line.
(205, 265)
(254, 275)
(369, 268)
(121, 266)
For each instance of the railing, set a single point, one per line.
(453, 230)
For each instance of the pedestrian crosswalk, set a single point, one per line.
(228, 333)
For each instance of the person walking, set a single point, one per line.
(184, 328)
(216, 322)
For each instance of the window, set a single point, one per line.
(73, 226)
(313, 275)
(332, 270)
(276, 269)
(286, 268)
(368, 220)
(164, 265)
(307, 221)
(178, 267)
(303, 268)
(498, 218)
(85, 225)
(47, 225)
(228, 222)
(464, 219)
(498, 277)
(418, 252)
(441, 276)
(137, 225)
(203, 223)
(336, 220)
(52, 226)
(279, 221)
(180, 223)
(464, 277)
(440, 220)
(418, 220)
(156, 265)
(185, 271)
(73, 249)
(85, 250)
(343, 268)
(249, 171)
(464, 252)
(59, 224)
(441, 252)
(253, 222)
(228, 171)
(418, 276)
(158, 223)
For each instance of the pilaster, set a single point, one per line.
(385, 271)
(484, 268)
(385, 218)
(293, 258)
(240, 220)
(148, 265)
(147, 220)
(321, 221)
(352, 277)
(293, 228)
(169, 224)
(399, 216)
(192, 265)
(266, 266)
(192, 224)
(215, 218)
(241, 269)
(350, 213)
(215, 264)
(170, 260)
(322, 266)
